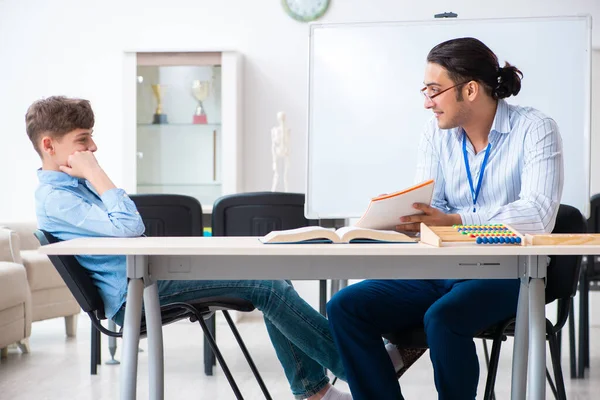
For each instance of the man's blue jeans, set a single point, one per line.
(300, 335)
(452, 311)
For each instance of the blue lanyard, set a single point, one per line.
(475, 191)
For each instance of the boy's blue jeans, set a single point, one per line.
(452, 311)
(300, 335)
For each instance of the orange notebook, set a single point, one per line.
(384, 211)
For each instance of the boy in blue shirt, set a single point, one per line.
(76, 198)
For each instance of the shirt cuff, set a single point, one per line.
(471, 218)
(113, 197)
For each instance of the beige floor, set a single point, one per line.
(58, 368)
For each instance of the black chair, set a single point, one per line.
(163, 215)
(256, 214)
(86, 294)
(561, 284)
(169, 214)
(589, 280)
(178, 215)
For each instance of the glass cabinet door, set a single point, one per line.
(179, 131)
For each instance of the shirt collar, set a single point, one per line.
(57, 178)
(501, 122)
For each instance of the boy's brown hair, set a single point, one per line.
(56, 116)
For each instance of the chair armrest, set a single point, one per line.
(25, 232)
(41, 274)
(14, 288)
(10, 246)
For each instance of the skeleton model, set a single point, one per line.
(280, 151)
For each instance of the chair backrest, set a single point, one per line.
(258, 213)
(563, 271)
(75, 277)
(593, 262)
(169, 214)
(594, 220)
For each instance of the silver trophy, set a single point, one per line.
(200, 90)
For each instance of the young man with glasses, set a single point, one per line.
(492, 163)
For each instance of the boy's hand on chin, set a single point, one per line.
(81, 164)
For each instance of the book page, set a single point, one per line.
(348, 234)
(384, 211)
(314, 234)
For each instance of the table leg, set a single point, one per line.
(537, 339)
(519, 361)
(131, 338)
(335, 287)
(155, 342)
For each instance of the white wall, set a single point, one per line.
(73, 48)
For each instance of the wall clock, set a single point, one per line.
(305, 10)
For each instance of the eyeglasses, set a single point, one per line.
(433, 96)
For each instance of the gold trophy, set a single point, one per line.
(159, 117)
(200, 90)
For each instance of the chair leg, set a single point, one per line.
(551, 384)
(486, 353)
(94, 356)
(213, 331)
(323, 297)
(582, 325)
(208, 336)
(112, 344)
(487, 361)
(586, 331)
(572, 353)
(558, 335)
(71, 325)
(209, 357)
(23, 345)
(99, 346)
(493, 368)
(558, 376)
(247, 355)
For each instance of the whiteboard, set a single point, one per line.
(366, 115)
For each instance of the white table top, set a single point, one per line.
(252, 246)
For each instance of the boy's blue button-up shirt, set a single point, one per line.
(70, 208)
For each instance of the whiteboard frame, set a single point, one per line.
(314, 214)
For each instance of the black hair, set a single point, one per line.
(468, 59)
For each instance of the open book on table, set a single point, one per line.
(348, 234)
(384, 211)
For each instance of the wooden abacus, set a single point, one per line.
(493, 234)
